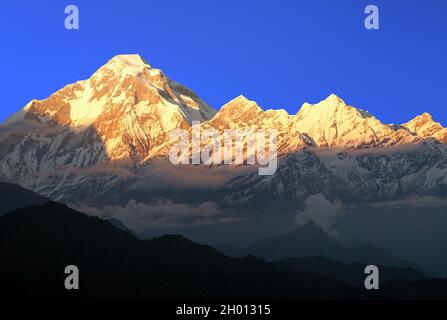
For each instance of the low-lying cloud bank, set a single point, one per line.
(161, 174)
(416, 201)
(141, 217)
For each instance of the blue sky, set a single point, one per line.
(279, 53)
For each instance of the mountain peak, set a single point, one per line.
(129, 60)
(127, 104)
(127, 64)
(241, 99)
(423, 118)
(239, 112)
(241, 104)
(334, 99)
(331, 102)
(332, 122)
(425, 127)
(309, 226)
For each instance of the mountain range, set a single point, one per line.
(40, 241)
(311, 240)
(101, 146)
(119, 120)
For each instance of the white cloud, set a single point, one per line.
(322, 212)
(141, 217)
(162, 174)
(417, 201)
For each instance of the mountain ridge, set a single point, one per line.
(330, 122)
(121, 135)
(311, 240)
(13, 197)
(169, 267)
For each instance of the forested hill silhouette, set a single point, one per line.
(352, 274)
(13, 196)
(38, 242)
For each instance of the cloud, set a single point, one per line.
(142, 217)
(162, 174)
(325, 213)
(417, 201)
(322, 212)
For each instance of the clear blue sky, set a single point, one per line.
(280, 53)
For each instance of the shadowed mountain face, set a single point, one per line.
(311, 240)
(14, 197)
(413, 232)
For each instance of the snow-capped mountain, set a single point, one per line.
(124, 112)
(91, 140)
(128, 105)
(424, 126)
(332, 123)
(352, 177)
